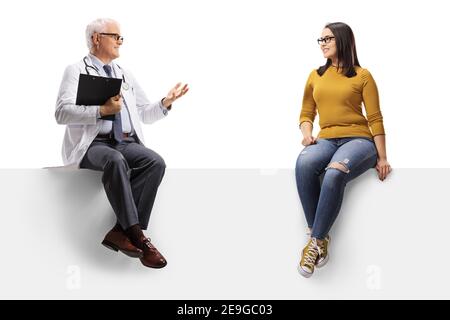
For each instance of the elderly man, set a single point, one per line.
(131, 172)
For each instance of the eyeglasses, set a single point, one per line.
(324, 40)
(115, 36)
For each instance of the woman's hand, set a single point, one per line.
(308, 140)
(383, 167)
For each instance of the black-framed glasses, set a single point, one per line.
(115, 36)
(324, 40)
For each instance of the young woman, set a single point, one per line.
(348, 143)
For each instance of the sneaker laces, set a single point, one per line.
(312, 252)
(321, 247)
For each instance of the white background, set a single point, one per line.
(246, 63)
(225, 240)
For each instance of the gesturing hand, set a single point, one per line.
(176, 92)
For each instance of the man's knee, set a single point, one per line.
(160, 164)
(155, 162)
(152, 161)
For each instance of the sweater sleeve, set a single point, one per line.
(372, 104)
(309, 110)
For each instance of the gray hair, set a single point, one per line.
(98, 25)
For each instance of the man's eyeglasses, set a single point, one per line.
(324, 40)
(115, 36)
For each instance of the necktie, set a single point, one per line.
(117, 123)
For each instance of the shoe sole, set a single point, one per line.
(153, 267)
(324, 262)
(131, 254)
(303, 272)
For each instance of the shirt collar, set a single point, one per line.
(97, 62)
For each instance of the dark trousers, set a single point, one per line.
(131, 177)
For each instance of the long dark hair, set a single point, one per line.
(346, 49)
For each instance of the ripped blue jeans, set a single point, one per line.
(321, 200)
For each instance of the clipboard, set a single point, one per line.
(95, 91)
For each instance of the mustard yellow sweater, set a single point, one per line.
(338, 100)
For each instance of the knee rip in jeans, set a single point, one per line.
(340, 165)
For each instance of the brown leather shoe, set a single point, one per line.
(117, 240)
(152, 257)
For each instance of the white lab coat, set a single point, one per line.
(82, 125)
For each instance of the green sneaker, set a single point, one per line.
(310, 254)
(323, 257)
